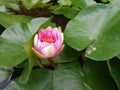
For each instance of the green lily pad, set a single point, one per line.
(39, 80)
(11, 54)
(114, 66)
(93, 76)
(97, 29)
(12, 41)
(7, 20)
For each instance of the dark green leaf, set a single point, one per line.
(69, 77)
(48, 23)
(18, 34)
(104, 1)
(35, 24)
(21, 33)
(39, 80)
(68, 54)
(104, 43)
(10, 54)
(12, 39)
(94, 76)
(82, 3)
(83, 30)
(65, 10)
(97, 76)
(114, 66)
(118, 56)
(7, 20)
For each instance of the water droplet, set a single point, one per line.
(94, 48)
(91, 49)
(91, 38)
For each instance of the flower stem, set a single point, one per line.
(40, 64)
(51, 62)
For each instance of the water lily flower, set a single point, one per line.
(48, 42)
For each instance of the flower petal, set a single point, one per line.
(48, 51)
(35, 40)
(60, 50)
(38, 53)
(49, 42)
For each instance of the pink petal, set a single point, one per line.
(60, 50)
(49, 28)
(41, 34)
(48, 51)
(46, 48)
(42, 45)
(57, 45)
(38, 53)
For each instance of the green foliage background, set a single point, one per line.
(90, 59)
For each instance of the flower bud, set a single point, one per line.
(48, 42)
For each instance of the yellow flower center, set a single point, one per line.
(48, 40)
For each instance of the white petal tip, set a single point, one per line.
(38, 53)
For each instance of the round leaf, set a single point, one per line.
(39, 80)
(97, 26)
(114, 66)
(12, 39)
(82, 30)
(69, 77)
(35, 24)
(7, 20)
(97, 76)
(18, 34)
(10, 54)
(106, 44)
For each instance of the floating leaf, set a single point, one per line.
(65, 10)
(69, 77)
(35, 24)
(12, 40)
(7, 20)
(83, 31)
(94, 76)
(18, 34)
(97, 76)
(82, 3)
(114, 66)
(10, 54)
(39, 80)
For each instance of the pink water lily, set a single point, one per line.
(48, 42)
